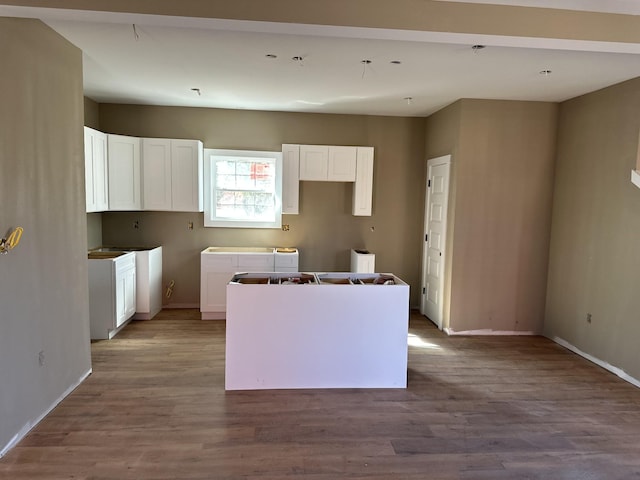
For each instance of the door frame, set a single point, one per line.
(431, 163)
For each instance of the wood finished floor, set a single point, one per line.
(476, 408)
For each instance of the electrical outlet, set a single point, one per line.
(588, 318)
(190, 225)
(136, 224)
(41, 358)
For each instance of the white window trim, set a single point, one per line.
(209, 154)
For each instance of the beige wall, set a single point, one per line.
(43, 281)
(325, 230)
(91, 113)
(442, 138)
(594, 263)
(501, 193)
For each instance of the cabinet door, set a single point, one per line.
(342, 164)
(124, 172)
(156, 174)
(130, 293)
(215, 272)
(290, 178)
(125, 288)
(101, 173)
(95, 161)
(363, 188)
(314, 162)
(89, 173)
(186, 175)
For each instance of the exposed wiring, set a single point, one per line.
(11, 241)
(170, 289)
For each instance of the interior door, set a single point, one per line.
(435, 232)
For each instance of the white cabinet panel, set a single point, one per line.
(172, 175)
(148, 283)
(316, 336)
(124, 173)
(342, 164)
(156, 173)
(96, 175)
(290, 179)
(125, 294)
(216, 269)
(327, 163)
(314, 162)
(256, 262)
(363, 188)
(112, 294)
(187, 175)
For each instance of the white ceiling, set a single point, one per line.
(160, 61)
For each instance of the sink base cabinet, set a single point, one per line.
(316, 336)
(216, 269)
(112, 294)
(215, 272)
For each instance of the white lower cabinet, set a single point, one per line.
(219, 264)
(215, 272)
(112, 293)
(331, 330)
(148, 283)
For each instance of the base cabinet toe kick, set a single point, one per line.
(330, 330)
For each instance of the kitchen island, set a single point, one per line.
(331, 330)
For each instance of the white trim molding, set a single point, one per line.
(615, 370)
(635, 178)
(450, 331)
(30, 425)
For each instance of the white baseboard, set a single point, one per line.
(615, 370)
(181, 305)
(449, 331)
(29, 425)
(635, 178)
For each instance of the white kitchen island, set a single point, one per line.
(339, 330)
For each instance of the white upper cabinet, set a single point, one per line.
(290, 179)
(156, 173)
(327, 163)
(314, 162)
(124, 172)
(363, 188)
(342, 164)
(187, 175)
(96, 175)
(172, 175)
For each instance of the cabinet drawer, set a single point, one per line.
(286, 261)
(125, 262)
(261, 263)
(221, 263)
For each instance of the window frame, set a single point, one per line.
(210, 220)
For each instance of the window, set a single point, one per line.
(243, 189)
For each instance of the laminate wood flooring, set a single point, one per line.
(475, 408)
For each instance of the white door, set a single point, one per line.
(435, 232)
